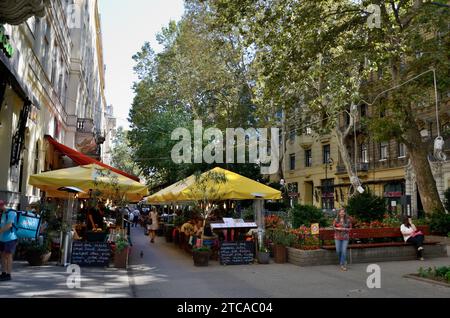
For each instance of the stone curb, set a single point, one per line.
(426, 280)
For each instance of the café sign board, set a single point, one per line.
(5, 45)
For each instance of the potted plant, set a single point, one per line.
(37, 254)
(121, 252)
(263, 255)
(201, 255)
(206, 188)
(281, 239)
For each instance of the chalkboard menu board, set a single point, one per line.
(90, 254)
(236, 253)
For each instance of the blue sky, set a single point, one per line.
(126, 25)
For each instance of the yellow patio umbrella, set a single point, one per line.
(91, 177)
(235, 187)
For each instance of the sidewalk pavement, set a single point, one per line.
(51, 282)
(165, 271)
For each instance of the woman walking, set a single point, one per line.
(153, 227)
(342, 226)
(413, 236)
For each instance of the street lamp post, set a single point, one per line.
(329, 163)
(287, 188)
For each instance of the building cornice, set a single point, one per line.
(16, 12)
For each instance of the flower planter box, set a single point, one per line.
(280, 254)
(363, 255)
(121, 258)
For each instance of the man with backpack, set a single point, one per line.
(8, 240)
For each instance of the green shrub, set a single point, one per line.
(440, 223)
(201, 249)
(306, 215)
(35, 247)
(367, 207)
(248, 214)
(121, 243)
(282, 237)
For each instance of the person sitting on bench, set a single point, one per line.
(413, 236)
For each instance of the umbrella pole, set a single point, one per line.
(258, 208)
(67, 217)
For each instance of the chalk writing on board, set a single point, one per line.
(236, 253)
(90, 254)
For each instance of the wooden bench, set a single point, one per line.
(371, 233)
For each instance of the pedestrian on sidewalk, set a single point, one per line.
(153, 227)
(342, 226)
(136, 215)
(8, 240)
(413, 236)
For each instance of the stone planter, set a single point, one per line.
(263, 257)
(201, 258)
(311, 257)
(280, 254)
(121, 258)
(35, 258)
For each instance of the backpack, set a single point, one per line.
(26, 225)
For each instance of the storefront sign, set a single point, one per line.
(90, 254)
(34, 114)
(5, 45)
(315, 229)
(395, 194)
(237, 253)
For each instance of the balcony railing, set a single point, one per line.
(85, 125)
(361, 167)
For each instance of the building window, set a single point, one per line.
(347, 118)
(292, 134)
(326, 154)
(308, 158)
(308, 131)
(36, 166)
(328, 194)
(47, 38)
(54, 66)
(384, 150)
(401, 150)
(292, 162)
(60, 87)
(363, 110)
(364, 153)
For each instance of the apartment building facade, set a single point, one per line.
(316, 175)
(51, 87)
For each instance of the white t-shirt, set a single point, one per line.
(407, 231)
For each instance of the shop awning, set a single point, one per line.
(236, 187)
(82, 159)
(86, 178)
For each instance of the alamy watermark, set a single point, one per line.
(74, 279)
(263, 149)
(374, 19)
(74, 15)
(374, 279)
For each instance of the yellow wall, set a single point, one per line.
(308, 177)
